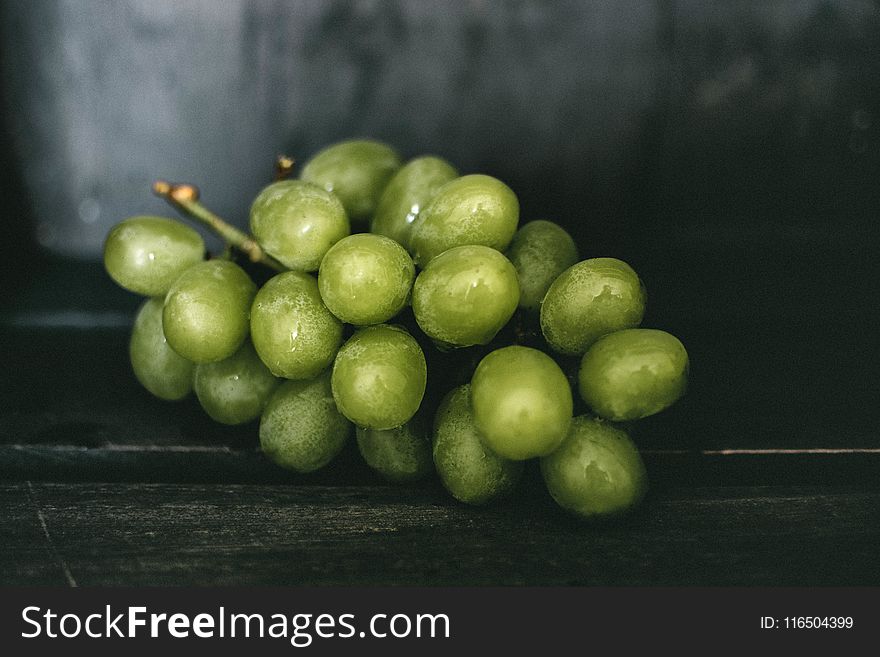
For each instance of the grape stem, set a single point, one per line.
(185, 198)
(283, 167)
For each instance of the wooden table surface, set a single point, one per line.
(216, 534)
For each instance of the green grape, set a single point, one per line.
(357, 171)
(540, 251)
(465, 295)
(366, 279)
(522, 402)
(411, 188)
(597, 472)
(301, 429)
(234, 390)
(473, 209)
(292, 330)
(468, 469)
(296, 222)
(207, 310)
(399, 455)
(633, 373)
(146, 254)
(379, 377)
(156, 365)
(588, 300)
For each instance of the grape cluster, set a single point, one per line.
(410, 305)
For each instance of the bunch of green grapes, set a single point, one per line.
(408, 307)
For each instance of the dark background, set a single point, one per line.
(727, 150)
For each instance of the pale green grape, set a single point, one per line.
(399, 455)
(291, 328)
(465, 295)
(234, 390)
(522, 402)
(366, 279)
(297, 222)
(588, 300)
(207, 311)
(411, 188)
(146, 254)
(474, 209)
(470, 471)
(379, 377)
(540, 251)
(633, 373)
(597, 472)
(356, 171)
(301, 429)
(156, 365)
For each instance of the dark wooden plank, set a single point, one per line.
(225, 464)
(120, 534)
(24, 531)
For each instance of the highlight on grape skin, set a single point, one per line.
(501, 311)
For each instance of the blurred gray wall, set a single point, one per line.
(106, 96)
(603, 115)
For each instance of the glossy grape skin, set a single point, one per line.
(234, 390)
(366, 279)
(597, 472)
(522, 402)
(399, 455)
(468, 469)
(146, 254)
(633, 373)
(156, 365)
(473, 209)
(379, 377)
(300, 428)
(207, 311)
(411, 188)
(296, 222)
(588, 300)
(292, 330)
(356, 171)
(465, 295)
(540, 252)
